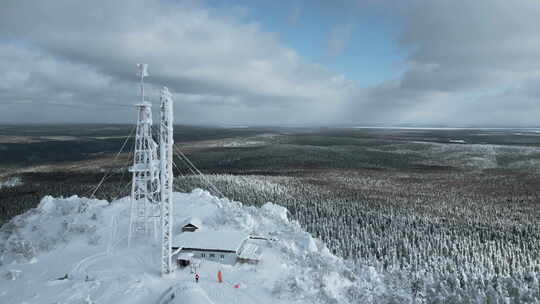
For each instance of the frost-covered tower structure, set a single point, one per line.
(152, 183)
(145, 187)
(166, 160)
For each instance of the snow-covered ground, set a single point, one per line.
(74, 250)
(11, 182)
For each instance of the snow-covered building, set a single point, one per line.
(191, 224)
(249, 253)
(225, 247)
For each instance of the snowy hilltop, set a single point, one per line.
(74, 250)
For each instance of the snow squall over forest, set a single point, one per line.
(87, 240)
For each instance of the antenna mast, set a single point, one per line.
(166, 143)
(145, 185)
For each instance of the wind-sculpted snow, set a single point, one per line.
(53, 222)
(74, 250)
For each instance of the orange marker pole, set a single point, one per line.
(220, 276)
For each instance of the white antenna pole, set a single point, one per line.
(143, 72)
(166, 154)
(145, 184)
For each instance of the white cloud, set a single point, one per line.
(462, 55)
(340, 37)
(190, 49)
(64, 60)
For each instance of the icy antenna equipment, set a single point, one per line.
(145, 185)
(142, 71)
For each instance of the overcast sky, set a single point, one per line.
(299, 62)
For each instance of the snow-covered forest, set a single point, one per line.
(442, 246)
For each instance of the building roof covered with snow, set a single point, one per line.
(249, 252)
(211, 240)
(191, 220)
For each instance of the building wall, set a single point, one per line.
(228, 258)
(189, 229)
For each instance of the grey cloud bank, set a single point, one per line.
(74, 61)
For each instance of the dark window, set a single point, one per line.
(212, 255)
(203, 255)
(222, 256)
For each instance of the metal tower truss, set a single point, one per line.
(145, 187)
(166, 159)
